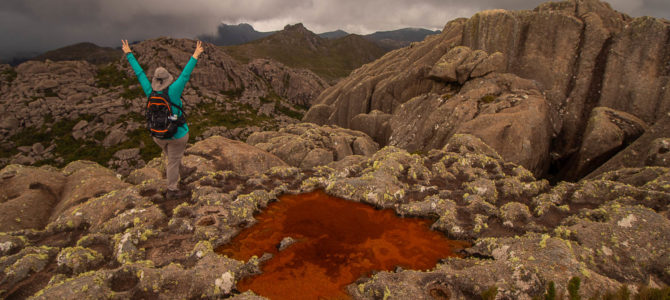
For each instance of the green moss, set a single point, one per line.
(543, 242)
(488, 98)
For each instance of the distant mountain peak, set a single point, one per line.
(334, 34)
(299, 27)
(234, 34)
(295, 27)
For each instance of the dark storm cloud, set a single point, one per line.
(39, 25)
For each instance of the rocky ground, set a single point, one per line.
(474, 128)
(57, 112)
(84, 231)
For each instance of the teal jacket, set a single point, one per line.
(174, 91)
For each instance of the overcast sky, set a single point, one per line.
(40, 25)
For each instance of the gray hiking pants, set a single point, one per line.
(174, 151)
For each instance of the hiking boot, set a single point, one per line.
(178, 194)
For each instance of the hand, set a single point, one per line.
(198, 50)
(125, 47)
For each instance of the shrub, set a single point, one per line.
(573, 288)
(551, 292)
(490, 294)
(9, 74)
(109, 76)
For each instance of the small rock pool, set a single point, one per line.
(335, 242)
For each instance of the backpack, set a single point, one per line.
(162, 122)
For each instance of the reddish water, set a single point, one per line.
(338, 241)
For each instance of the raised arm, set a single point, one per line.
(178, 86)
(198, 50)
(141, 77)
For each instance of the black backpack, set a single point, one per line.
(162, 122)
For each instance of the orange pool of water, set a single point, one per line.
(338, 241)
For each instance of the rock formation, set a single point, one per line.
(300, 87)
(105, 236)
(307, 145)
(581, 53)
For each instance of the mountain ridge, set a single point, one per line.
(298, 47)
(230, 35)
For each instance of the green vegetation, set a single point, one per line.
(647, 293)
(551, 292)
(490, 294)
(9, 74)
(292, 111)
(289, 112)
(488, 98)
(621, 294)
(132, 93)
(236, 93)
(50, 93)
(110, 76)
(644, 293)
(573, 288)
(213, 114)
(70, 149)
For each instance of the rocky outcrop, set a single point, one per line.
(216, 71)
(130, 242)
(307, 145)
(298, 86)
(607, 132)
(648, 150)
(508, 113)
(86, 180)
(386, 83)
(581, 53)
(28, 196)
(461, 64)
(375, 124)
(225, 154)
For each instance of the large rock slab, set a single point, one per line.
(28, 196)
(608, 131)
(229, 155)
(644, 151)
(86, 180)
